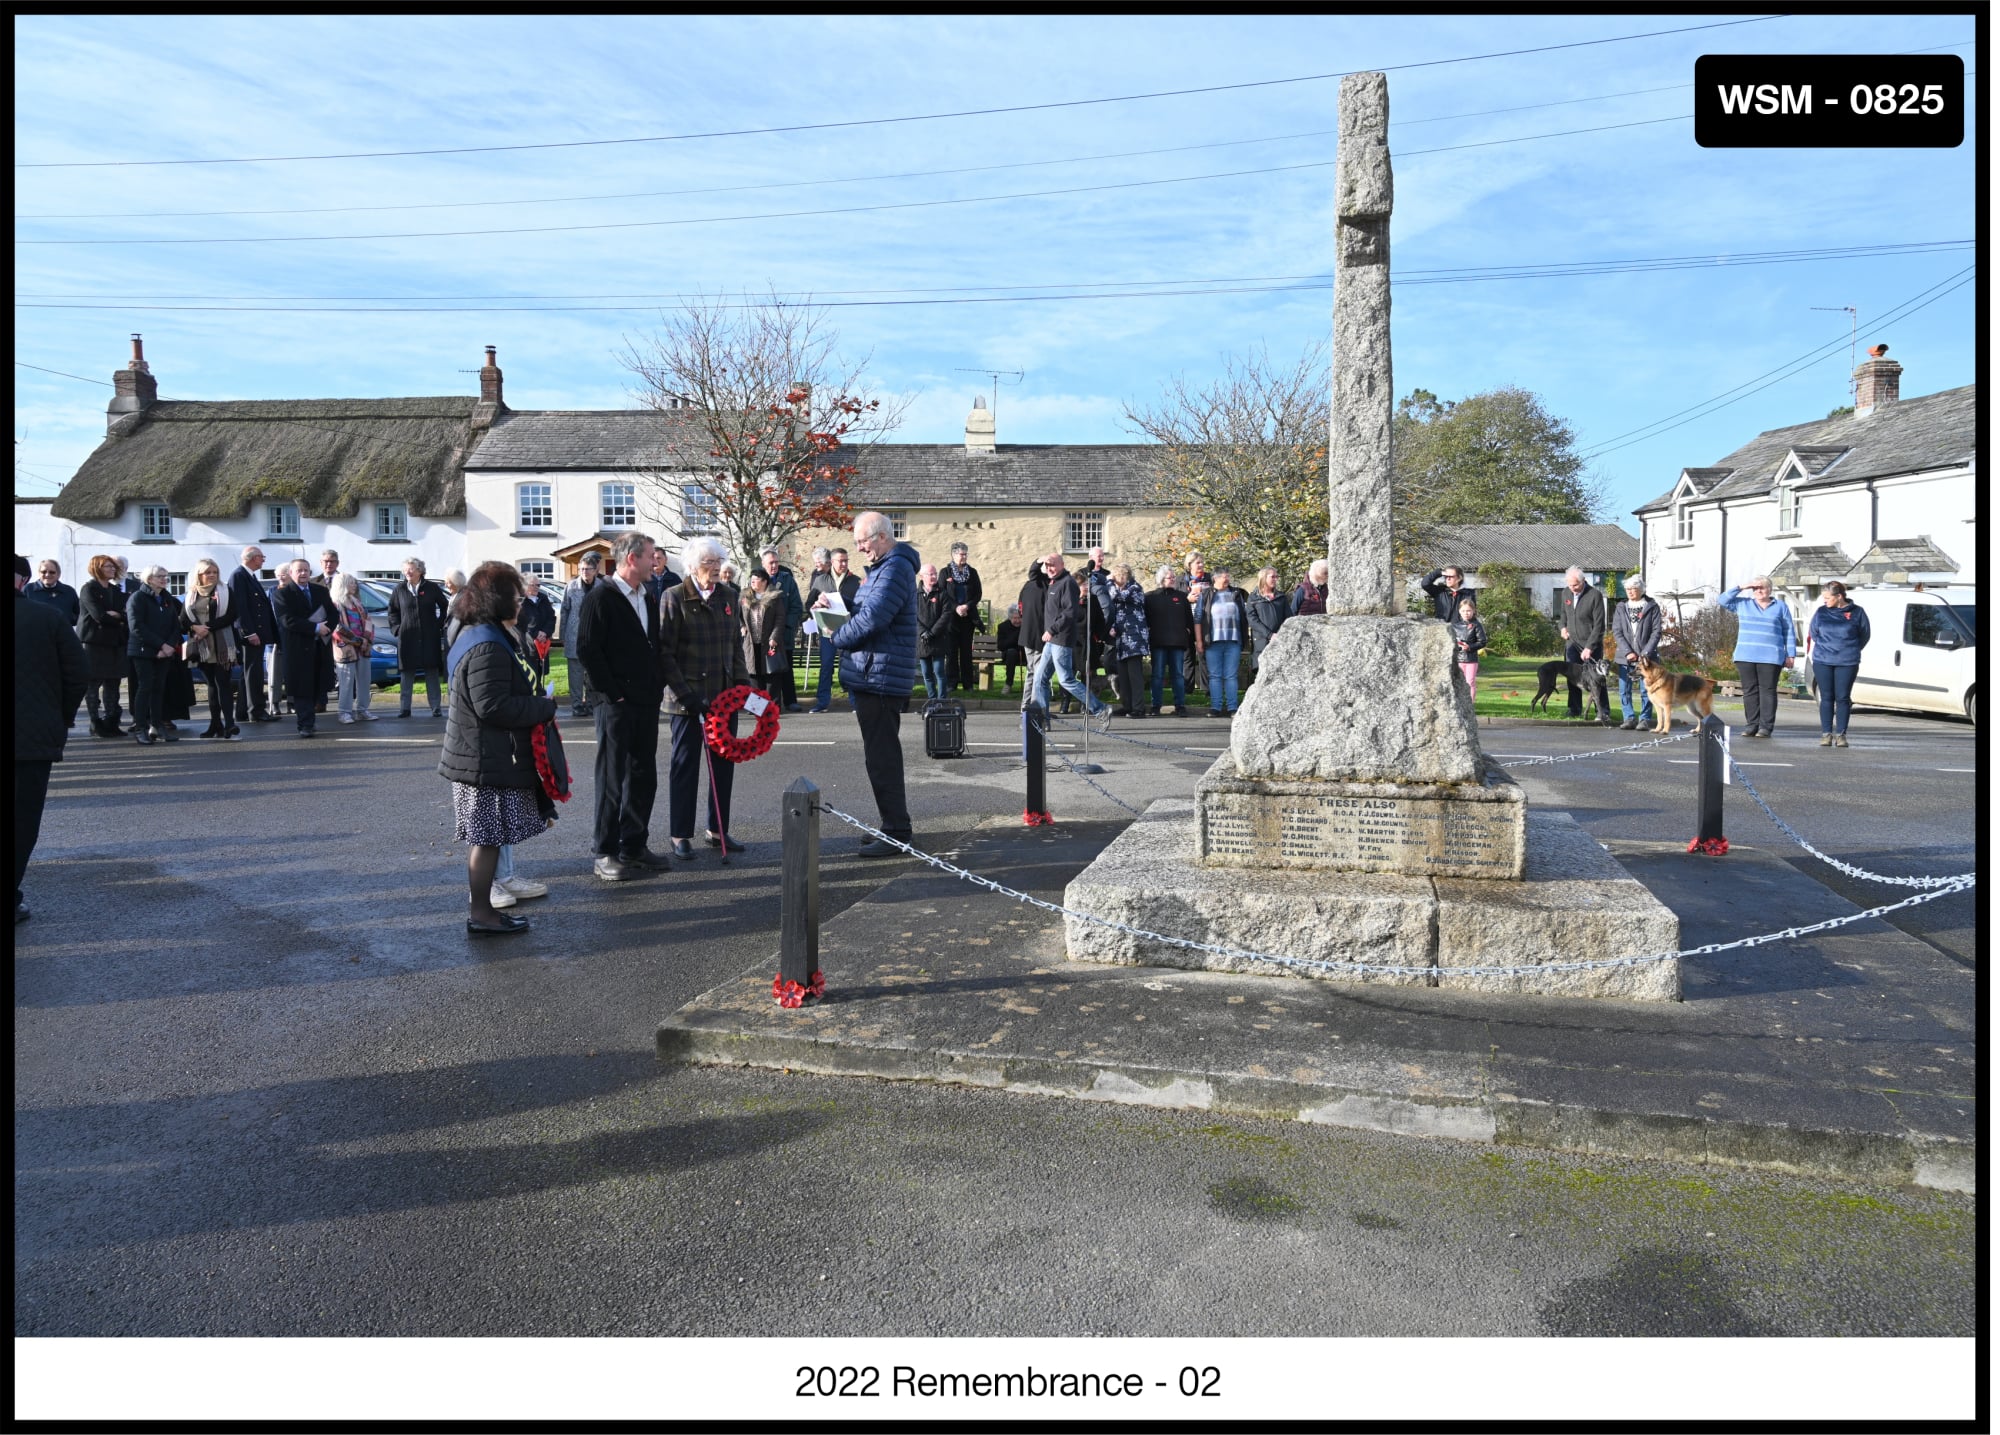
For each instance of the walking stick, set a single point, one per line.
(715, 799)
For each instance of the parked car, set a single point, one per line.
(1921, 656)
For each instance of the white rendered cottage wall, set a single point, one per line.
(440, 542)
(576, 500)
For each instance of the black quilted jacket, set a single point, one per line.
(489, 727)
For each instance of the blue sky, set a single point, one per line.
(1610, 353)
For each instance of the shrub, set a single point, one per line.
(1513, 627)
(1701, 641)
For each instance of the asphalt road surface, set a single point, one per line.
(264, 1085)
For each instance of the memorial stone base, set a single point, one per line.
(1412, 829)
(1573, 902)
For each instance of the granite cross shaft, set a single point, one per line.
(1360, 567)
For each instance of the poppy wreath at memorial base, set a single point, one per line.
(726, 705)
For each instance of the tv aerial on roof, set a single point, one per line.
(1012, 376)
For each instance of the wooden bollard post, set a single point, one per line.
(798, 922)
(1712, 772)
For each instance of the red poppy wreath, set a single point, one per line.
(726, 705)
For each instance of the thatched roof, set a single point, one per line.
(329, 456)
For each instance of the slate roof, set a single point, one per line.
(1810, 562)
(1018, 475)
(1539, 547)
(544, 440)
(1893, 560)
(213, 460)
(1909, 436)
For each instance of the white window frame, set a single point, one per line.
(156, 522)
(1787, 495)
(542, 568)
(275, 529)
(392, 522)
(1078, 524)
(629, 506)
(177, 584)
(700, 513)
(382, 575)
(899, 524)
(1683, 521)
(546, 506)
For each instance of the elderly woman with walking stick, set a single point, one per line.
(701, 656)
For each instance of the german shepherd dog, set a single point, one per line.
(1666, 689)
(1580, 677)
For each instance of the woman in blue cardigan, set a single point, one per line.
(1765, 642)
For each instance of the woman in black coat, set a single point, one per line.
(153, 643)
(1268, 610)
(489, 740)
(103, 629)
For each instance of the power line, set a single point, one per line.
(819, 295)
(1789, 369)
(821, 213)
(1134, 289)
(808, 183)
(902, 119)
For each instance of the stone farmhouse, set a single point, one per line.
(1884, 494)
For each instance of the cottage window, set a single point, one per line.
(392, 521)
(899, 525)
(1788, 508)
(618, 507)
(177, 584)
(1683, 523)
(542, 568)
(382, 575)
(536, 507)
(281, 521)
(1082, 532)
(154, 521)
(699, 511)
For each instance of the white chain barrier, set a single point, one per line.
(1377, 968)
(1954, 881)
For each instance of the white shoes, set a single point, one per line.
(365, 716)
(521, 888)
(347, 717)
(501, 897)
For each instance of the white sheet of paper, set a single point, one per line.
(755, 704)
(832, 615)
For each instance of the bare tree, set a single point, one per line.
(762, 419)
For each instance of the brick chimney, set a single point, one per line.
(135, 392)
(490, 405)
(980, 435)
(1876, 383)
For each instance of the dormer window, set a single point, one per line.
(1787, 494)
(1683, 522)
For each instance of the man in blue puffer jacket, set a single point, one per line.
(878, 667)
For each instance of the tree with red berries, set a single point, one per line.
(762, 421)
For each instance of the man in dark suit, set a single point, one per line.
(661, 578)
(417, 617)
(49, 679)
(258, 623)
(617, 641)
(963, 591)
(308, 617)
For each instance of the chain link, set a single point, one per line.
(1954, 881)
(1383, 969)
(1082, 777)
(1601, 751)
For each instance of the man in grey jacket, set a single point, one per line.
(1635, 634)
(572, 606)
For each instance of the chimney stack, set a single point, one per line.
(1877, 382)
(134, 391)
(489, 380)
(980, 435)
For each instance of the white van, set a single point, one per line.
(1920, 655)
